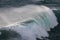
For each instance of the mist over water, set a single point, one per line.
(30, 21)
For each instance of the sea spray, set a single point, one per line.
(30, 21)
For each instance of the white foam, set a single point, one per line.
(30, 21)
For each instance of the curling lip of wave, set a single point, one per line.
(42, 19)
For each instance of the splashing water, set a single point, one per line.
(30, 21)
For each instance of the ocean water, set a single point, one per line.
(30, 22)
(54, 33)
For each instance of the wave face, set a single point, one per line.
(30, 21)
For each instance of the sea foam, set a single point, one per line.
(30, 21)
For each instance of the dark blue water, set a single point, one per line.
(18, 3)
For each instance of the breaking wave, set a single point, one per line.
(30, 21)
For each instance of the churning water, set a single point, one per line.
(30, 21)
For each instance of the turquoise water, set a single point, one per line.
(54, 34)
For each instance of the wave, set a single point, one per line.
(30, 21)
